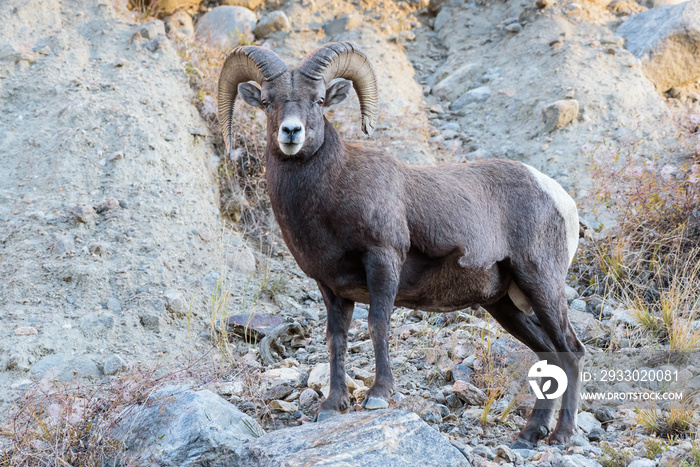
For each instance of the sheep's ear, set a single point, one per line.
(337, 92)
(251, 94)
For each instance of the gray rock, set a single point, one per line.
(369, 438)
(66, 367)
(441, 19)
(505, 453)
(559, 113)
(181, 427)
(307, 398)
(360, 313)
(587, 422)
(272, 22)
(174, 302)
(596, 434)
(226, 26)
(84, 214)
(484, 451)
(342, 24)
(479, 94)
(666, 40)
(150, 321)
(575, 460)
(620, 315)
(152, 29)
(180, 25)
(470, 394)
(578, 305)
(642, 462)
(514, 28)
(604, 414)
(114, 364)
(587, 326)
(571, 293)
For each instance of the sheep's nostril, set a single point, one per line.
(291, 131)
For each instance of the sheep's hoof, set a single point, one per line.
(375, 403)
(325, 415)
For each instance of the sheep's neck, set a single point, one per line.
(300, 189)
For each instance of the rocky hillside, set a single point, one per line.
(115, 254)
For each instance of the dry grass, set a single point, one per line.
(646, 254)
(55, 423)
(678, 421)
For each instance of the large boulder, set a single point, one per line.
(226, 26)
(667, 40)
(181, 427)
(380, 438)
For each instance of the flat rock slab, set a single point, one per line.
(382, 438)
(256, 326)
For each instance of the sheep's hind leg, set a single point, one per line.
(528, 331)
(382, 270)
(549, 302)
(339, 313)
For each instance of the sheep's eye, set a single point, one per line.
(320, 101)
(265, 104)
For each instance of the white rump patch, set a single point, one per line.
(519, 299)
(565, 205)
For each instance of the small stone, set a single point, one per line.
(578, 305)
(150, 321)
(108, 204)
(205, 235)
(559, 113)
(596, 434)
(484, 451)
(84, 214)
(587, 422)
(571, 293)
(26, 331)
(604, 415)
(289, 407)
(116, 156)
(505, 453)
(179, 25)
(470, 394)
(174, 302)
(320, 378)
(152, 29)
(278, 391)
(360, 313)
(479, 94)
(307, 397)
(272, 22)
(644, 462)
(514, 28)
(114, 364)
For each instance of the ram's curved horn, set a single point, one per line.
(344, 60)
(243, 64)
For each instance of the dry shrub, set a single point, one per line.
(244, 199)
(646, 249)
(161, 8)
(56, 423)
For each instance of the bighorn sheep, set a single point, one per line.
(371, 229)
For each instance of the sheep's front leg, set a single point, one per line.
(339, 313)
(383, 271)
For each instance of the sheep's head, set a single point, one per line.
(294, 99)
